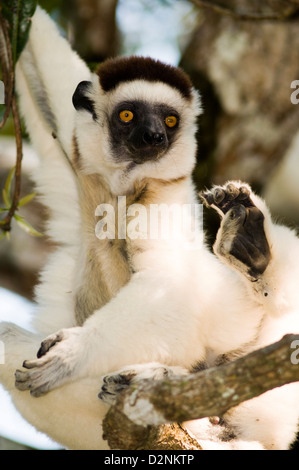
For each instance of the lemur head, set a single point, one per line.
(136, 119)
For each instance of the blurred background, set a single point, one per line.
(243, 56)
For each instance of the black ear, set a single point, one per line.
(81, 101)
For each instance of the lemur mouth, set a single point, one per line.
(146, 153)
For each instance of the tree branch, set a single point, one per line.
(136, 419)
(282, 15)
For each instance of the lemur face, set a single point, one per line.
(136, 118)
(141, 131)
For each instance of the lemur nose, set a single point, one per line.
(153, 138)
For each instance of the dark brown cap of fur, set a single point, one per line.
(112, 72)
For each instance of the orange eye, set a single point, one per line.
(171, 121)
(126, 116)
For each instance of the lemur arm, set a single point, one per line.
(46, 77)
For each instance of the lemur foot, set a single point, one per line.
(118, 381)
(241, 240)
(115, 384)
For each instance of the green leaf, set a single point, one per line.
(6, 198)
(26, 226)
(7, 188)
(18, 13)
(24, 200)
(9, 179)
(5, 234)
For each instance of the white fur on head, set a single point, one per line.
(93, 136)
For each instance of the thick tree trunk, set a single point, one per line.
(244, 70)
(93, 26)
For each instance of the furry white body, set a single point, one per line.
(180, 307)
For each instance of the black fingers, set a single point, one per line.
(226, 197)
(48, 343)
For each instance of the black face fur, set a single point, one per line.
(146, 136)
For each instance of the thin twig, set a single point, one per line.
(6, 63)
(6, 223)
(244, 15)
(7, 66)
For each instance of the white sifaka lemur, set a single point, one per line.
(142, 303)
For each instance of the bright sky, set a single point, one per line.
(155, 28)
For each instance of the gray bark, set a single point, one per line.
(93, 27)
(134, 422)
(244, 70)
